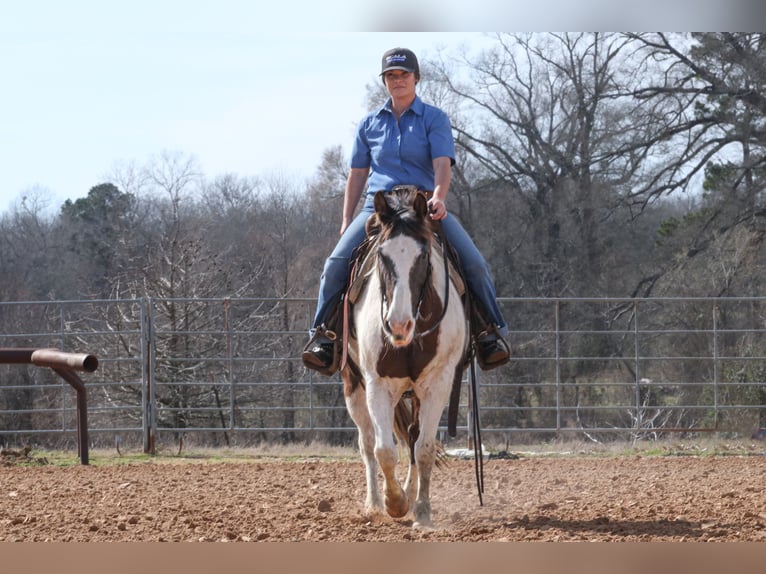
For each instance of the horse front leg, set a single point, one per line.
(381, 407)
(357, 408)
(425, 457)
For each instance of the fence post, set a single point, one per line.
(557, 327)
(639, 411)
(147, 370)
(715, 365)
(230, 361)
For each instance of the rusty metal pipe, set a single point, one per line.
(16, 356)
(82, 410)
(65, 365)
(57, 359)
(50, 358)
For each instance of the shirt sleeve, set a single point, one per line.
(440, 137)
(360, 150)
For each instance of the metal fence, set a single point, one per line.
(228, 371)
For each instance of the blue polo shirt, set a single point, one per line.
(401, 153)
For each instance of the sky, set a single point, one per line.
(243, 87)
(84, 93)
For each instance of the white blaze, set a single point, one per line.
(401, 251)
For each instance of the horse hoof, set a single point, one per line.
(397, 508)
(422, 513)
(373, 512)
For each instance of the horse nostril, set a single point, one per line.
(400, 331)
(402, 326)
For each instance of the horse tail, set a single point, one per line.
(402, 421)
(407, 428)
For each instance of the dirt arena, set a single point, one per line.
(646, 497)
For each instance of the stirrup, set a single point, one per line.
(330, 369)
(500, 342)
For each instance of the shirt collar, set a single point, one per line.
(416, 106)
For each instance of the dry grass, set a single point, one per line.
(705, 446)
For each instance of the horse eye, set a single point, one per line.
(387, 267)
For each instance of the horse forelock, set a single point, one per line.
(406, 222)
(403, 210)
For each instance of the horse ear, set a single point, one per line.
(382, 213)
(381, 205)
(420, 205)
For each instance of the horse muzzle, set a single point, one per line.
(400, 333)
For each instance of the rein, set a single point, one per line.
(433, 327)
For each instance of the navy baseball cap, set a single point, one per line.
(400, 59)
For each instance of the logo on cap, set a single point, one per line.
(396, 58)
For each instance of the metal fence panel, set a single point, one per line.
(229, 370)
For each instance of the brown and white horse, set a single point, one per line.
(409, 335)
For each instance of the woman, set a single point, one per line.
(406, 142)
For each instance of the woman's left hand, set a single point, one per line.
(437, 208)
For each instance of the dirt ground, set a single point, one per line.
(539, 498)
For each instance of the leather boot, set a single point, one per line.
(491, 350)
(319, 354)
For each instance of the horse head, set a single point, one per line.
(404, 261)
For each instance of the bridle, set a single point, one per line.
(421, 297)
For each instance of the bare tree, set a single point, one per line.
(31, 265)
(715, 86)
(545, 121)
(717, 83)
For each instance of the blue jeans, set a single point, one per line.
(475, 268)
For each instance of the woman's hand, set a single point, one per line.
(437, 209)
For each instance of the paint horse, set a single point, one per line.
(408, 335)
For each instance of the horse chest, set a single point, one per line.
(407, 362)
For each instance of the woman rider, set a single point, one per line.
(405, 142)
